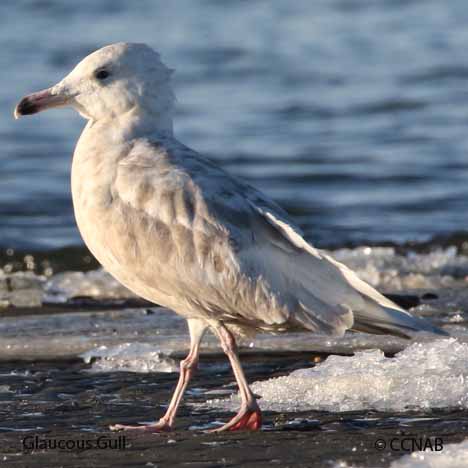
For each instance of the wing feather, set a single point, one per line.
(250, 264)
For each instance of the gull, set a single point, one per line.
(181, 232)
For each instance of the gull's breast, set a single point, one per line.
(116, 234)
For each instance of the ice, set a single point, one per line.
(452, 456)
(130, 357)
(67, 335)
(21, 289)
(26, 289)
(96, 284)
(383, 267)
(424, 375)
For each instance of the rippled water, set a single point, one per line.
(352, 114)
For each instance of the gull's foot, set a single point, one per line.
(160, 426)
(245, 420)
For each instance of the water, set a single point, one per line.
(351, 114)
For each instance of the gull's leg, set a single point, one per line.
(249, 416)
(187, 369)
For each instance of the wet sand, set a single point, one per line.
(61, 400)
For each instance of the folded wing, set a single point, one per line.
(250, 264)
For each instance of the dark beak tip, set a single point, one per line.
(25, 107)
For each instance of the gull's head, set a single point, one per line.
(110, 82)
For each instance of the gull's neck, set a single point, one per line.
(153, 115)
(136, 123)
(141, 121)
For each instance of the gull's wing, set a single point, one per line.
(233, 254)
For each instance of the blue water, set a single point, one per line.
(352, 114)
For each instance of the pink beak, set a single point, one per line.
(37, 102)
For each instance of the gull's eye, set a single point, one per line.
(101, 74)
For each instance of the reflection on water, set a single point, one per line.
(352, 114)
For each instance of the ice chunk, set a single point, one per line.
(21, 289)
(96, 283)
(385, 268)
(452, 456)
(130, 357)
(424, 375)
(26, 298)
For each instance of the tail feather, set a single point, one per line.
(377, 319)
(380, 315)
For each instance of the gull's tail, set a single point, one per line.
(379, 319)
(380, 315)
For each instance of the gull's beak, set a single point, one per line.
(42, 100)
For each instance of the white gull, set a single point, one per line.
(179, 231)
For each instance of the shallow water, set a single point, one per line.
(352, 114)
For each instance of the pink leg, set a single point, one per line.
(187, 369)
(249, 416)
